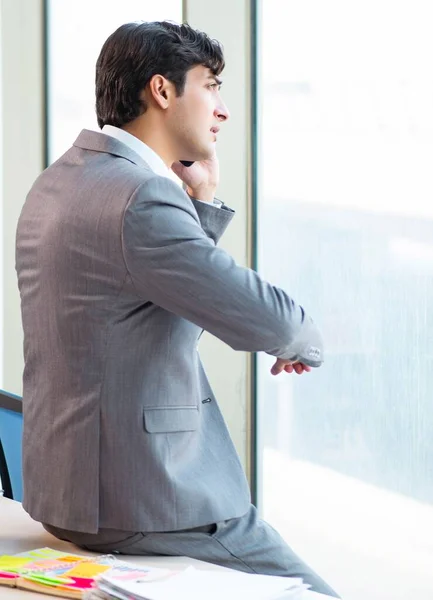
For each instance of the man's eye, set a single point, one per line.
(213, 85)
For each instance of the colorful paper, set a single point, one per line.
(58, 573)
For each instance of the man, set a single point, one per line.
(125, 449)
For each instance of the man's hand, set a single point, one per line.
(289, 366)
(201, 178)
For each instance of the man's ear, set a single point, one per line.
(161, 90)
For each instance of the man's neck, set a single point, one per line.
(151, 136)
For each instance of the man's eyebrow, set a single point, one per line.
(216, 79)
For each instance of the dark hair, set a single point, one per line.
(136, 52)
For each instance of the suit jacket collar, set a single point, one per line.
(100, 142)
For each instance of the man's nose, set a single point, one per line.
(222, 112)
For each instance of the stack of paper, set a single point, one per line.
(105, 578)
(193, 584)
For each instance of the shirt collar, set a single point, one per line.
(154, 161)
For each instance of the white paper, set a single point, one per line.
(193, 584)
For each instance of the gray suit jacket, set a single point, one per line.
(119, 272)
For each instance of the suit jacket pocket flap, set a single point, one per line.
(171, 419)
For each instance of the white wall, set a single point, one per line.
(22, 156)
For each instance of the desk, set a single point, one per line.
(19, 533)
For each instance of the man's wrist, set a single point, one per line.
(205, 194)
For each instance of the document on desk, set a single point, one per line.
(194, 584)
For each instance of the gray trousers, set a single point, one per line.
(247, 544)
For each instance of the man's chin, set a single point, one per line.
(208, 153)
(204, 153)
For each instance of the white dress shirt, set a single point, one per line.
(153, 159)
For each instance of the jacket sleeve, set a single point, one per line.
(214, 220)
(175, 265)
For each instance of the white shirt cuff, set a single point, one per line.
(215, 202)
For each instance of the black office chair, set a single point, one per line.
(11, 432)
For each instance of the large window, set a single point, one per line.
(345, 226)
(76, 31)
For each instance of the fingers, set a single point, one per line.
(300, 368)
(178, 168)
(278, 367)
(288, 367)
(297, 368)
